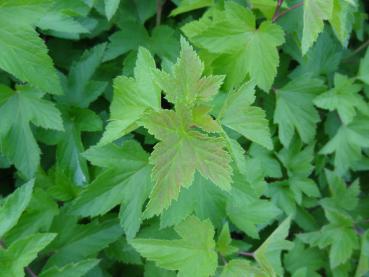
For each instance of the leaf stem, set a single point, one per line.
(246, 254)
(279, 15)
(277, 9)
(358, 50)
(159, 10)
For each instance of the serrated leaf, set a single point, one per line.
(347, 144)
(224, 242)
(190, 5)
(23, 53)
(268, 254)
(78, 269)
(232, 32)
(193, 254)
(184, 150)
(13, 207)
(19, 109)
(21, 253)
(295, 110)
(250, 121)
(125, 182)
(186, 86)
(344, 98)
(132, 97)
(238, 267)
(315, 12)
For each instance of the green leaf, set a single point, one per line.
(184, 150)
(13, 207)
(78, 269)
(268, 254)
(315, 12)
(19, 109)
(250, 51)
(342, 19)
(246, 210)
(313, 259)
(125, 182)
(132, 97)
(21, 253)
(344, 98)
(185, 86)
(203, 199)
(250, 121)
(363, 265)
(192, 254)
(80, 241)
(295, 111)
(363, 73)
(111, 7)
(347, 144)
(79, 88)
(190, 5)
(341, 227)
(238, 267)
(224, 242)
(37, 217)
(22, 51)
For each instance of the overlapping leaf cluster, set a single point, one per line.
(184, 138)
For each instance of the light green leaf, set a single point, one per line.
(268, 255)
(363, 73)
(13, 207)
(78, 269)
(190, 5)
(184, 150)
(192, 255)
(344, 98)
(343, 19)
(132, 97)
(22, 51)
(238, 267)
(250, 121)
(295, 110)
(21, 253)
(224, 242)
(315, 12)
(249, 50)
(186, 86)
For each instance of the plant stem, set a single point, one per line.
(159, 10)
(293, 7)
(246, 254)
(277, 9)
(358, 50)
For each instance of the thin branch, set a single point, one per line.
(159, 10)
(28, 269)
(246, 254)
(293, 7)
(358, 50)
(277, 9)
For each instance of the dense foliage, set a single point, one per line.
(187, 138)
